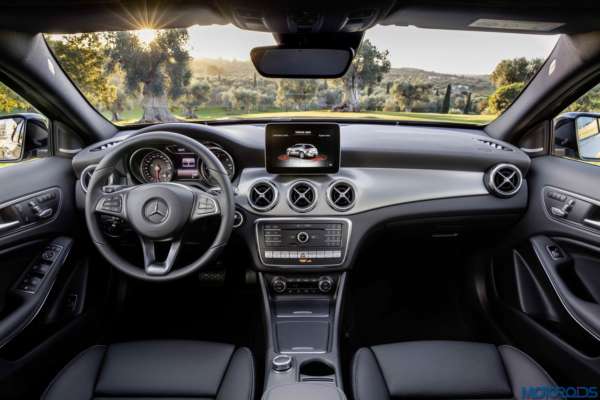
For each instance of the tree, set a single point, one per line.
(242, 99)
(11, 102)
(194, 97)
(367, 69)
(161, 68)
(467, 108)
(82, 56)
(515, 70)
(406, 94)
(118, 105)
(446, 101)
(296, 92)
(503, 97)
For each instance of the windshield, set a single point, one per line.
(204, 73)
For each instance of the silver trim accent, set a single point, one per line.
(592, 223)
(241, 219)
(275, 196)
(530, 150)
(83, 174)
(313, 188)
(330, 200)
(70, 151)
(303, 219)
(7, 225)
(378, 187)
(490, 177)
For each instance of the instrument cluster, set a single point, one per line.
(176, 163)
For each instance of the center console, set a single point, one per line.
(312, 242)
(303, 289)
(303, 315)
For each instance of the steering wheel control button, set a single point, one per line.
(156, 210)
(112, 204)
(206, 206)
(282, 363)
(302, 237)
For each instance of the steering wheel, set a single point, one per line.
(159, 212)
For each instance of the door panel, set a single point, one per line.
(42, 278)
(26, 183)
(546, 282)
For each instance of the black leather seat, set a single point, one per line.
(157, 370)
(444, 369)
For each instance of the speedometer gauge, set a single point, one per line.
(225, 159)
(156, 166)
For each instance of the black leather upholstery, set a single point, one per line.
(443, 369)
(166, 370)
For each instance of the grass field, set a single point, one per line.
(220, 113)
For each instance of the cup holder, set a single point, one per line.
(316, 371)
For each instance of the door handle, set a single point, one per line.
(5, 226)
(591, 222)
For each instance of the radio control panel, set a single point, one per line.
(302, 242)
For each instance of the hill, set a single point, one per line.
(236, 69)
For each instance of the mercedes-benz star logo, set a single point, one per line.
(156, 210)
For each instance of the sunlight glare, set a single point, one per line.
(146, 35)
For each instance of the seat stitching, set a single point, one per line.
(381, 372)
(100, 368)
(355, 374)
(527, 356)
(252, 381)
(225, 373)
(66, 367)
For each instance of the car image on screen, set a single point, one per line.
(302, 150)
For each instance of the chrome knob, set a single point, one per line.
(282, 363)
(302, 237)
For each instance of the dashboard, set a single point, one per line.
(308, 193)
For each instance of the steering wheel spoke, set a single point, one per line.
(152, 265)
(205, 204)
(111, 201)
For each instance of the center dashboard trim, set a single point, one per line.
(258, 221)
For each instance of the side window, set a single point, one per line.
(23, 129)
(577, 129)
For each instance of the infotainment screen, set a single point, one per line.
(302, 148)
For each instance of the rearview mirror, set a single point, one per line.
(587, 131)
(285, 62)
(12, 138)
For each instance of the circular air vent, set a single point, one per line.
(302, 196)
(86, 177)
(263, 196)
(504, 180)
(341, 195)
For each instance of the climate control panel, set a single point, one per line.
(303, 285)
(302, 242)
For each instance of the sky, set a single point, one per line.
(454, 52)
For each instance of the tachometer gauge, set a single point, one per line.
(156, 166)
(225, 159)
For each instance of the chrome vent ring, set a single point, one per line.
(302, 196)
(504, 180)
(341, 195)
(86, 176)
(263, 195)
